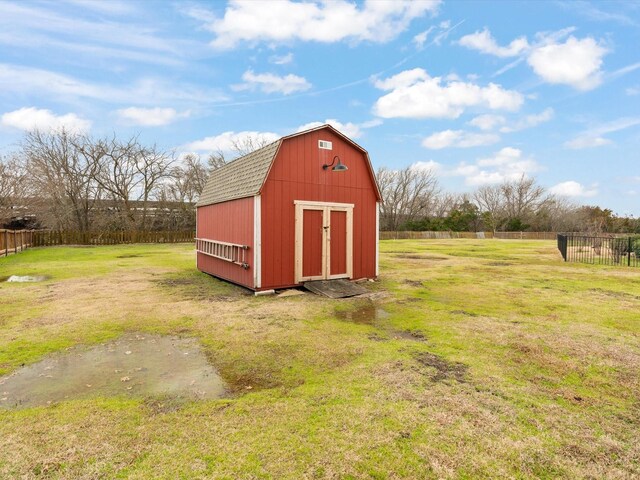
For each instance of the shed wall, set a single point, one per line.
(297, 174)
(230, 222)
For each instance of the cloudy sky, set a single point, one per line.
(479, 91)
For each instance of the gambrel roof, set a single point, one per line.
(240, 178)
(245, 176)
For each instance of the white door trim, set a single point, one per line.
(311, 204)
(326, 208)
(257, 241)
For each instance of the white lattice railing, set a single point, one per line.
(229, 252)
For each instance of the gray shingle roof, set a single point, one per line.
(240, 178)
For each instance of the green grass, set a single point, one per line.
(520, 366)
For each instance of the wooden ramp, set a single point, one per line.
(340, 288)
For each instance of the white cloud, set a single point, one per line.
(31, 118)
(594, 136)
(441, 33)
(351, 130)
(286, 21)
(25, 80)
(529, 121)
(484, 42)
(487, 122)
(272, 83)
(458, 139)
(506, 165)
(150, 117)
(414, 94)
(92, 35)
(574, 62)
(281, 59)
(587, 141)
(420, 39)
(225, 141)
(573, 189)
(431, 166)
(632, 91)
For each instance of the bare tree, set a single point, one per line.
(63, 178)
(129, 173)
(13, 186)
(489, 200)
(522, 197)
(249, 143)
(512, 204)
(407, 195)
(240, 146)
(216, 160)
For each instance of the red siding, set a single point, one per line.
(338, 243)
(230, 222)
(297, 174)
(312, 235)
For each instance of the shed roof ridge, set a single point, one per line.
(246, 155)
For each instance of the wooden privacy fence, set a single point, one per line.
(445, 235)
(14, 241)
(48, 238)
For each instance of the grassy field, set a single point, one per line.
(475, 359)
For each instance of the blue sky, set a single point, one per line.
(478, 91)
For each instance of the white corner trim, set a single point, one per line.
(377, 238)
(257, 241)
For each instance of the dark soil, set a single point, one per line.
(445, 370)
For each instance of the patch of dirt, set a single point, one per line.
(410, 300)
(414, 283)
(445, 370)
(132, 255)
(368, 314)
(614, 294)
(194, 288)
(374, 337)
(499, 264)
(414, 335)
(464, 312)
(422, 257)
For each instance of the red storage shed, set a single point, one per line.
(291, 212)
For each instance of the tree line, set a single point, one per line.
(414, 200)
(66, 181)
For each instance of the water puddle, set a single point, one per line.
(25, 278)
(367, 314)
(373, 315)
(134, 365)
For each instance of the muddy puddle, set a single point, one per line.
(375, 316)
(134, 366)
(367, 314)
(24, 278)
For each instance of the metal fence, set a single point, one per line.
(600, 250)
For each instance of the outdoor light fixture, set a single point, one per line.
(339, 167)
